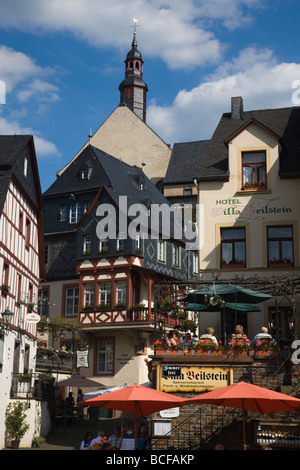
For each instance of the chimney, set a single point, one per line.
(237, 107)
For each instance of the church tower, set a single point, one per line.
(133, 89)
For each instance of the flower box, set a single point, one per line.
(257, 187)
(240, 352)
(160, 352)
(281, 265)
(233, 265)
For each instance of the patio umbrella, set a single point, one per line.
(229, 293)
(243, 307)
(78, 381)
(137, 400)
(248, 397)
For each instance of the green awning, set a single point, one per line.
(242, 307)
(229, 293)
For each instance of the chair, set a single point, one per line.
(264, 340)
(240, 341)
(208, 341)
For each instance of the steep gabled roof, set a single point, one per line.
(283, 122)
(184, 161)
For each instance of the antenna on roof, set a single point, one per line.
(90, 135)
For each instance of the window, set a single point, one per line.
(187, 192)
(233, 246)
(27, 233)
(176, 255)
(105, 357)
(195, 263)
(121, 292)
(21, 221)
(161, 251)
(63, 213)
(72, 296)
(105, 293)
(75, 213)
(87, 244)
(103, 245)
(121, 242)
(86, 205)
(138, 243)
(280, 245)
(89, 290)
(254, 169)
(43, 302)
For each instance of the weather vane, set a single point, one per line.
(135, 20)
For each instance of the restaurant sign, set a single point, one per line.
(193, 378)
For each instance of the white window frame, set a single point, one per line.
(121, 291)
(87, 244)
(75, 212)
(161, 251)
(89, 293)
(195, 262)
(105, 289)
(63, 213)
(121, 241)
(176, 256)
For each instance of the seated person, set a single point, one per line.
(188, 340)
(172, 339)
(209, 331)
(239, 334)
(262, 334)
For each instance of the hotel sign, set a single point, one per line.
(193, 378)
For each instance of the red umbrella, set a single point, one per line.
(136, 399)
(248, 397)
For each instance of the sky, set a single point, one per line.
(61, 63)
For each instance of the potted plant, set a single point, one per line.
(25, 376)
(5, 289)
(105, 306)
(120, 305)
(38, 441)
(255, 186)
(30, 307)
(16, 425)
(214, 300)
(139, 306)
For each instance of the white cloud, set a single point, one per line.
(179, 32)
(44, 148)
(255, 75)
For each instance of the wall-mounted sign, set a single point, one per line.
(82, 358)
(259, 210)
(170, 412)
(196, 379)
(171, 371)
(32, 318)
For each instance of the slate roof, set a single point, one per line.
(10, 148)
(116, 176)
(184, 161)
(284, 122)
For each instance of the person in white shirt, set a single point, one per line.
(263, 334)
(209, 331)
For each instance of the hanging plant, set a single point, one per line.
(168, 306)
(188, 325)
(214, 300)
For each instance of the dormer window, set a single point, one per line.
(254, 170)
(25, 166)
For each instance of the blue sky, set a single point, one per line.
(63, 60)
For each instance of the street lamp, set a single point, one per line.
(7, 316)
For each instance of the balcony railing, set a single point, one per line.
(33, 386)
(119, 315)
